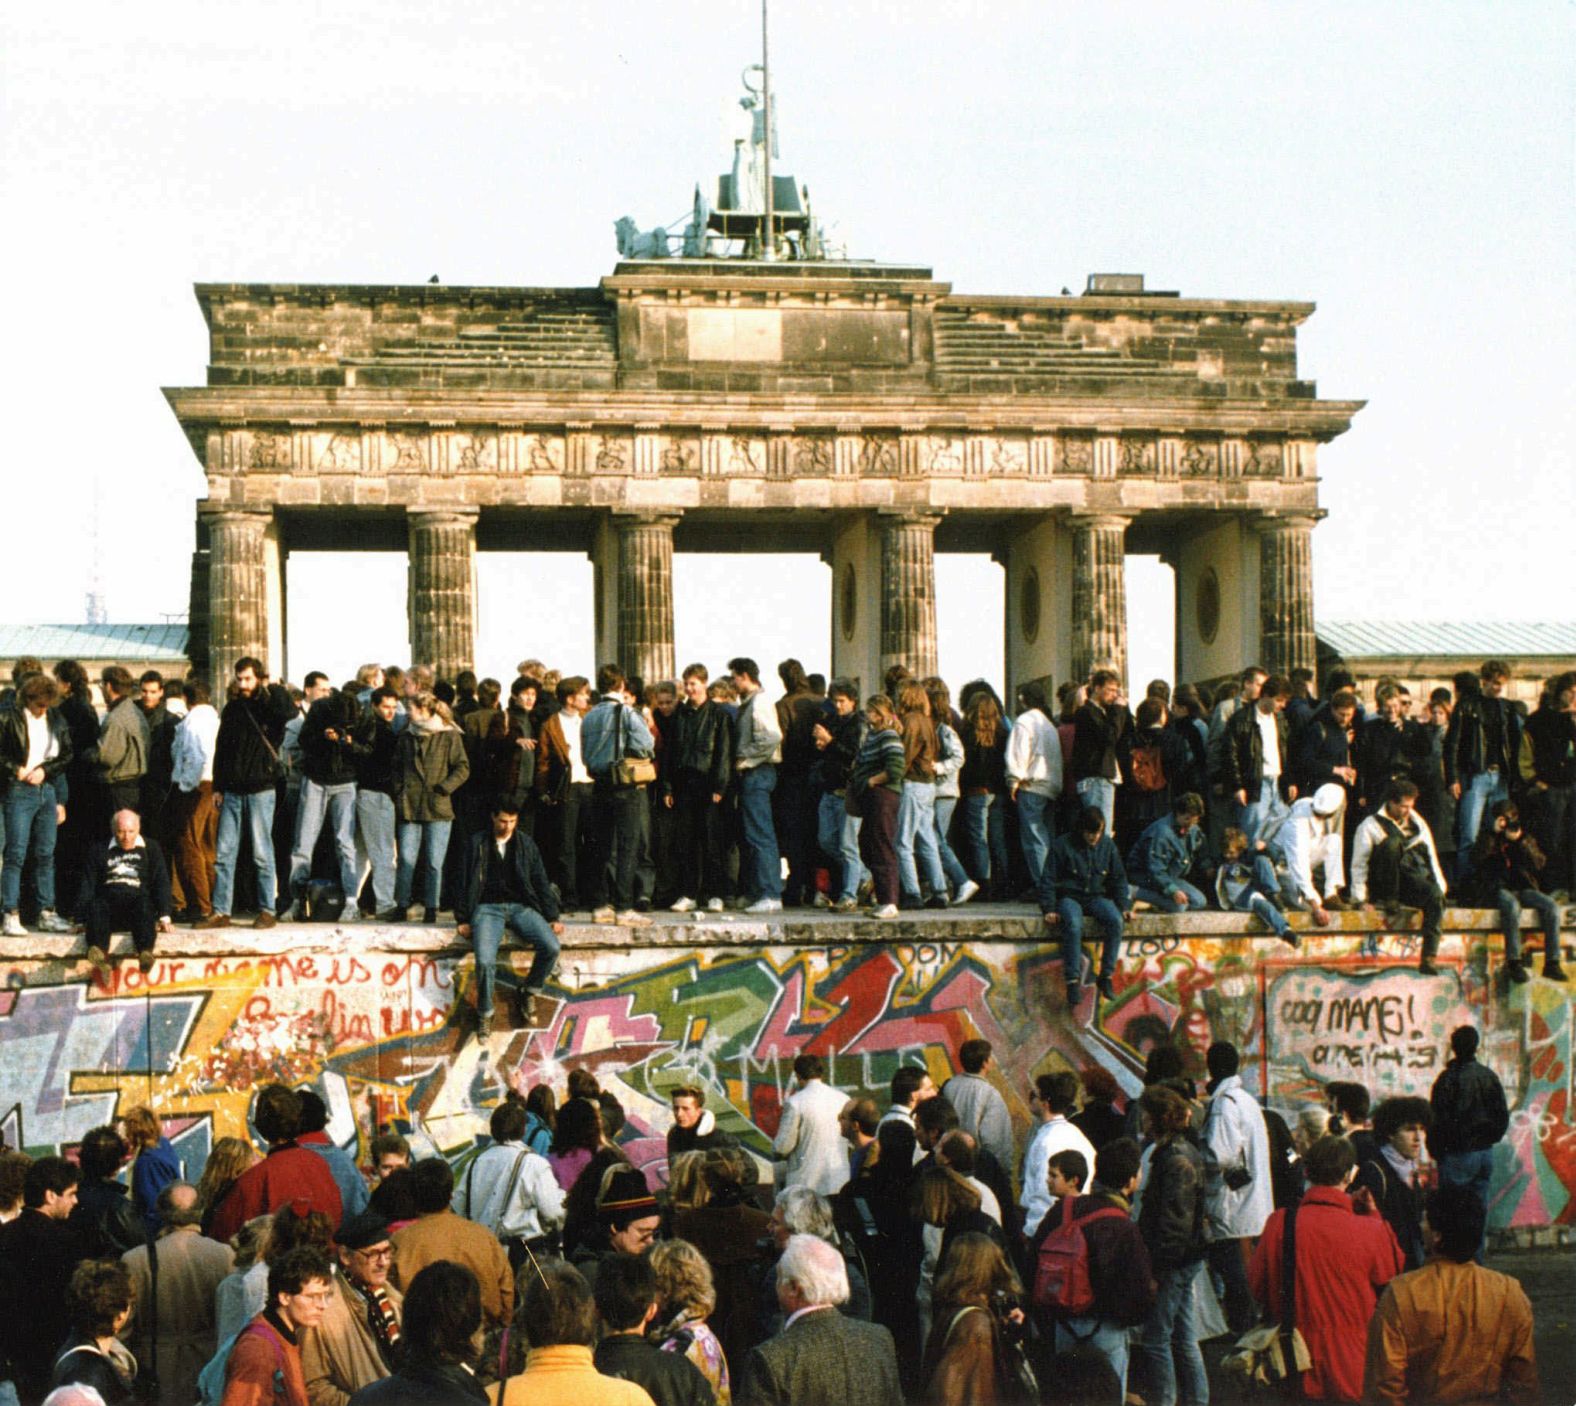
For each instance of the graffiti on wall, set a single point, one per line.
(373, 1032)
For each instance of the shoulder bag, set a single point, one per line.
(1268, 1361)
(629, 771)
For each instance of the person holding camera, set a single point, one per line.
(618, 748)
(1507, 866)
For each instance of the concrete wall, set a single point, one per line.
(1231, 552)
(364, 1015)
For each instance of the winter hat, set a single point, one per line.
(1328, 799)
(624, 1198)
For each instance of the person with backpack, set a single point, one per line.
(1341, 1262)
(511, 1189)
(1395, 865)
(1171, 1221)
(1092, 1275)
(263, 1364)
(1157, 769)
(1160, 862)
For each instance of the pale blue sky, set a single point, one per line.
(1409, 167)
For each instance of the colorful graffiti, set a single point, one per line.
(372, 1030)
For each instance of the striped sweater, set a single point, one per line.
(880, 754)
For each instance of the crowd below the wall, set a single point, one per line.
(398, 795)
(918, 1252)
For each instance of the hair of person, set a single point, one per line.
(394, 1198)
(379, 694)
(388, 1145)
(611, 1112)
(1188, 803)
(982, 718)
(1162, 1062)
(488, 692)
(975, 1271)
(433, 1185)
(1167, 1110)
(936, 1116)
(229, 1157)
(1072, 1164)
(292, 1271)
(1058, 1091)
(582, 1083)
(314, 1112)
(1329, 1161)
(250, 1242)
(1091, 821)
(1222, 1060)
(895, 1143)
(523, 683)
(247, 661)
(939, 696)
(1099, 1085)
(894, 678)
(465, 681)
(46, 1175)
(1506, 810)
(865, 1114)
(141, 1127)
(118, 679)
(278, 1113)
(906, 1083)
(314, 678)
(684, 1279)
(579, 1125)
(843, 688)
(99, 1292)
(103, 1152)
(1352, 1101)
(1158, 688)
(1232, 841)
(913, 699)
(1440, 698)
(196, 693)
(958, 1151)
(806, 1212)
(1252, 672)
(941, 1193)
(1101, 677)
(1457, 1217)
(809, 1066)
(508, 1120)
(568, 687)
(878, 705)
(1186, 696)
(1399, 1112)
(1313, 1123)
(1385, 691)
(175, 1209)
(693, 1091)
(792, 674)
(504, 805)
(443, 692)
(1275, 686)
(1401, 790)
(687, 1188)
(1117, 1163)
(367, 674)
(816, 683)
(37, 690)
(441, 1315)
(1149, 713)
(1345, 698)
(745, 666)
(297, 1224)
(696, 671)
(541, 1100)
(1464, 1041)
(1494, 669)
(1067, 696)
(626, 1287)
(815, 1269)
(1032, 695)
(559, 1310)
(13, 1176)
(727, 1170)
(664, 688)
(609, 678)
(26, 664)
(973, 1055)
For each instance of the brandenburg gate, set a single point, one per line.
(697, 402)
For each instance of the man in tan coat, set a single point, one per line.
(175, 1336)
(439, 1234)
(357, 1343)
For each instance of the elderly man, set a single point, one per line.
(358, 1341)
(126, 886)
(174, 1330)
(821, 1357)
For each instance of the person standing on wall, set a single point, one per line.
(757, 752)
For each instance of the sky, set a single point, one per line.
(1407, 166)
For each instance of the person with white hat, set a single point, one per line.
(1309, 841)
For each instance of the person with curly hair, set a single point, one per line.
(687, 1297)
(98, 1300)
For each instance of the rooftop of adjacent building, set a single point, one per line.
(144, 643)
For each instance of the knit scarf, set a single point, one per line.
(382, 1321)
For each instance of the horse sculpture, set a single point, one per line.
(633, 244)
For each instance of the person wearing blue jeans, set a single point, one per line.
(1244, 886)
(837, 832)
(1506, 873)
(430, 766)
(425, 842)
(1102, 732)
(758, 747)
(1083, 877)
(984, 836)
(505, 888)
(1164, 855)
(1470, 1116)
(1255, 760)
(337, 805)
(1482, 750)
(35, 750)
(255, 811)
(949, 765)
(1034, 775)
(916, 844)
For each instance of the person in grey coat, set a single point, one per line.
(821, 1357)
(981, 1109)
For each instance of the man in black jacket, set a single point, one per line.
(126, 888)
(1255, 757)
(245, 770)
(1482, 748)
(506, 887)
(1102, 733)
(1390, 747)
(328, 792)
(1470, 1116)
(37, 1254)
(377, 755)
(1548, 767)
(104, 1220)
(626, 1297)
(696, 770)
(35, 752)
(838, 735)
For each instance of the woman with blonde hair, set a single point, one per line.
(231, 1156)
(155, 1165)
(918, 858)
(961, 1356)
(430, 766)
(686, 1297)
(240, 1292)
(687, 1189)
(1313, 1123)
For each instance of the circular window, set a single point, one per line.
(1029, 606)
(1208, 605)
(850, 602)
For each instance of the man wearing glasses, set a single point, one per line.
(357, 1341)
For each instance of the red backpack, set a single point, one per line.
(1061, 1274)
(1148, 768)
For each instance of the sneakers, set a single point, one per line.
(765, 905)
(936, 900)
(634, 918)
(844, 905)
(716, 905)
(266, 919)
(820, 900)
(966, 891)
(352, 914)
(684, 905)
(212, 921)
(51, 921)
(886, 910)
(12, 927)
(604, 914)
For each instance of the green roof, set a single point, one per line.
(144, 643)
(1480, 639)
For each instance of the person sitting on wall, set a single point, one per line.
(1307, 845)
(126, 886)
(1394, 863)
(1084, 877)
(1164, 856)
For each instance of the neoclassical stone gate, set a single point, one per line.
(862, 411)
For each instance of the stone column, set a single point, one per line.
(1286, 638)
(442, 592)
(238, 590)
(645, 594)
(1099, 594)
(908, 592)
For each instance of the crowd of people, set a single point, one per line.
(916, 1252)
(399, 794)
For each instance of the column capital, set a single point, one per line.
(1285, 522)
(910, 517)
(1117, 522)
(647, 517)
(234, 513)
(437, 517)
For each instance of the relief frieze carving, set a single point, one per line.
(1137, 456)
(612, 454)
(269, 451)
(945, 454)
(1009, 457)
(812, 456)
(341, 455)
(678, 456)
(744, 458)
(407, 452)
(877, 456)
(1200, 459)
(1077, 454)
(478, 454)
(1262, 459)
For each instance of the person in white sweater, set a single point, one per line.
(809, 1138)
(1034, 774)
(194, 813)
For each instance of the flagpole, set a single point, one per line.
(769, 244)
